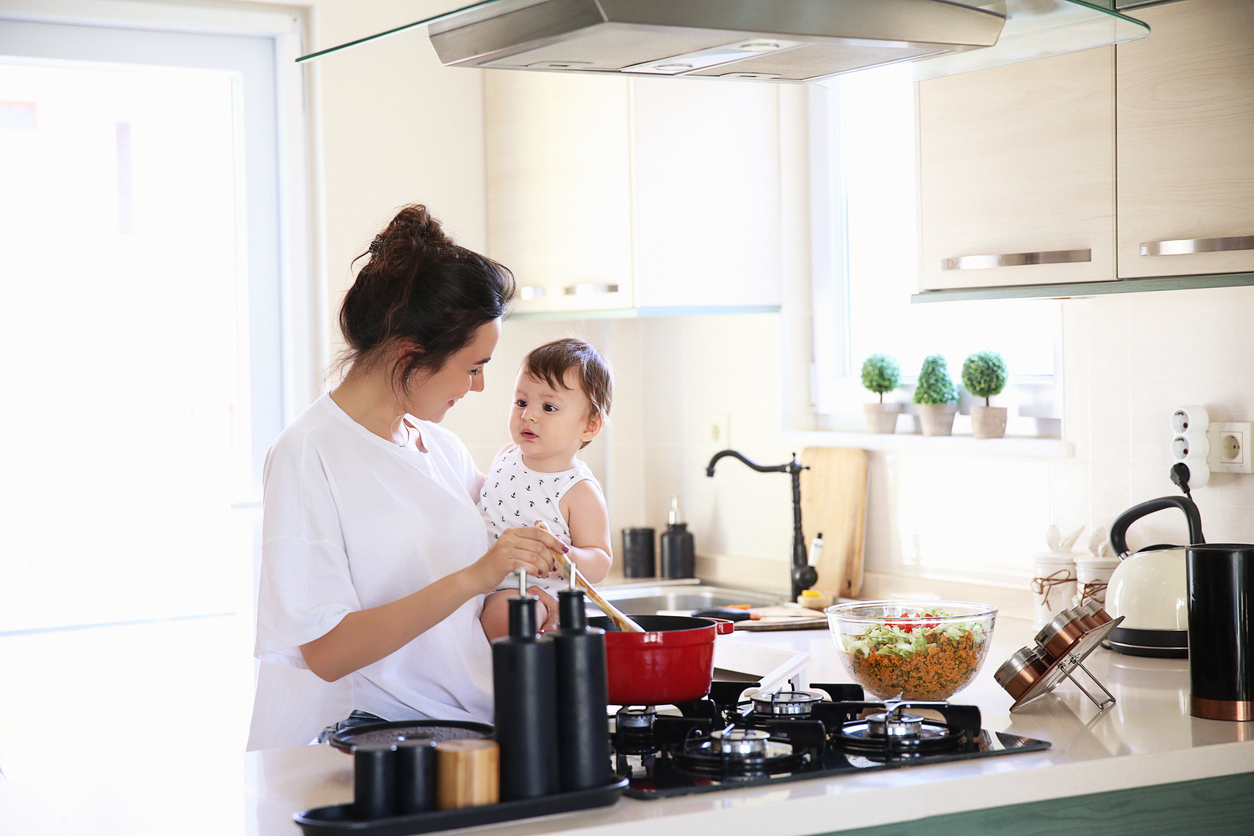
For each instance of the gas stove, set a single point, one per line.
(740, 738)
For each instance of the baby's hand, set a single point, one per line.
(546, 609)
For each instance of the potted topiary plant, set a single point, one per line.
(880, 374)
(936, 396)
(984, 375)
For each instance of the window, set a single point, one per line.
(152, 218)
(865, 270)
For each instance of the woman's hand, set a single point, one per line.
(517, 548)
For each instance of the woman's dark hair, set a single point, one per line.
(419, 286)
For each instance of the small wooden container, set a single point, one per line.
(468, 773)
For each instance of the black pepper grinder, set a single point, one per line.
(583, 740)
(678, 554)
(524, 690)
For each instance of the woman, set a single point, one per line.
(375, 560)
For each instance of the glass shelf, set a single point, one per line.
(1033, 29)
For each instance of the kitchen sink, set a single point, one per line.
(650, 598)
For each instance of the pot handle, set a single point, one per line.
(722, 626)
(1119, 530)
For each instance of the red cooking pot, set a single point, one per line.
(672, 662)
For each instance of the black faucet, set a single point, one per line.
(804, 575)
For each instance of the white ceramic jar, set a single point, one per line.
(1053, 585)
(1092, 576)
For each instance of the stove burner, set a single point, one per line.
(785, 703)
(905, 737)
(633, 731)
(738, 753)
(739, 743)
(636, 718)
(894, 724)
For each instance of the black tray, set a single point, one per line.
(391, 732)
(338, 818)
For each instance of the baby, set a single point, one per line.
(561, 401)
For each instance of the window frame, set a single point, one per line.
(836, 391)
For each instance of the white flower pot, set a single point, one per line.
(937, 418)
(881, 418)
(988, 421)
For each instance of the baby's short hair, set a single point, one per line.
(551, 361)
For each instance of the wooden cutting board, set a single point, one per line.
(833, 501)
(782, 617)
(785, 618)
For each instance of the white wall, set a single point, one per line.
(392, 126)
(395, 126)
(1124, 375)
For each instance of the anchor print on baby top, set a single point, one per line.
(514, 495)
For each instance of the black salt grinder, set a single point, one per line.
(583, 742)
(524, 689)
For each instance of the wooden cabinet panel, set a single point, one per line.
(559, 187)
(1185, 122)
(667, 189)
(1014, 160)
(707, 193)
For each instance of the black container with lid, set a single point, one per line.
(1221, 630)
(638, 560)
(678, 551)
(525, 695)
(583, 740)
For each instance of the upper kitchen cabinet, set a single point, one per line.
(644, 194)
(1185, 165)
(1016, 174)
(558, 153)
(707, 193)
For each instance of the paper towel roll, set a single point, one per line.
(1190, 419)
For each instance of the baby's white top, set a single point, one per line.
(514, 495)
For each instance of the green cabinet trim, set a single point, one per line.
(1071, 291)
(1221, 805)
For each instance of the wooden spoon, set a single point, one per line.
(616, 617)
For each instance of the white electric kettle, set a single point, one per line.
(1149, 588)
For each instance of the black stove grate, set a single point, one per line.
(832, 739)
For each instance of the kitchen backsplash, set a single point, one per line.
(933, 518)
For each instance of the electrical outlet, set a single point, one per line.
(1230, 447)
(718, 431)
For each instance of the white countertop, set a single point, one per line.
(1147, 738)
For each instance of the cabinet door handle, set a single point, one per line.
(530, 291)
(588, 289)
(1185, 246)
(983, 262)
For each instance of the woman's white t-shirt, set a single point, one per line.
(352, 521)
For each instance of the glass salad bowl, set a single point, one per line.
(920, 650)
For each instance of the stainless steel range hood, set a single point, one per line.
(787, 40)
(780, 40)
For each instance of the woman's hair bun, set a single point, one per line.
(414, 224)
(420, 287)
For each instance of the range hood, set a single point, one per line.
(777, 40)
(787, 40)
